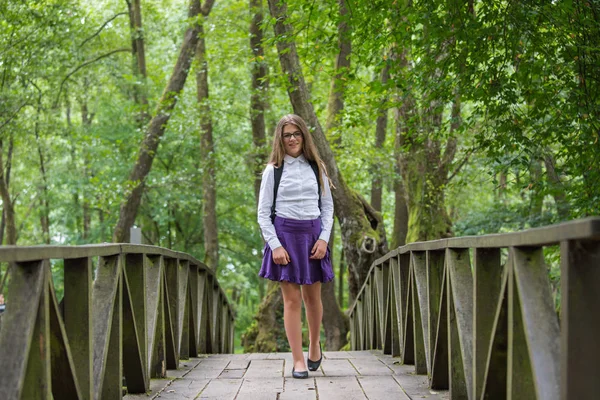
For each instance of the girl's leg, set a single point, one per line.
(292, 320)
(314, 314)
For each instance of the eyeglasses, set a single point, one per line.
(288, 136)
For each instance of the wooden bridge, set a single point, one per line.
(458, 318)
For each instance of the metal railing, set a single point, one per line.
(137, 313)
(477, 314)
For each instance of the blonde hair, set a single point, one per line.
(309, 149)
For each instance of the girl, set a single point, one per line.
(295, 214)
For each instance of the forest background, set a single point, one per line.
(436, 119)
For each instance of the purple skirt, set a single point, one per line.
(297, 238)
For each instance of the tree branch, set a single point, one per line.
(13, 116)
(206, 7)
(86, 63)
(460, 165)
(101, 28)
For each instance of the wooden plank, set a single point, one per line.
(232, 374)
(183, 268)
(487, 283)
(338, 368)
(155, 320)
(194, 311)
(394, 312)
(261, 388)
(133, 350)
(439, 363)
(202, 312)
(381, 388)
(184, 388)
(172, 285)
(408, 347)
(135, 268)
(298, 389)
(435, 271)
(221, 389)
(185, 368)
(520, 383)
(380, 294)
(420, 357)
(580, 344)
(458, 385)
(24, 292)
(171, 355)
(112, 384)
(265, 369)
(64, 379)
(360, 345)
(417, 387)
(419, 267)
(461, 284)
(337, 355)
(370, 366)
(238, 364)
(540, 322)
(495, 369)
(38, 381)
(77, 301)
(106, 303)
(208, 368)
(340, 388)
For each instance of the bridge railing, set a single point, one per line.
(477, 314)
(128, 311)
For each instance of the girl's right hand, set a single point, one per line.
(281, 256)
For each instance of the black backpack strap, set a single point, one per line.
(277, 171)
(315, 169)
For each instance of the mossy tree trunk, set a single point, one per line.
(267, 333)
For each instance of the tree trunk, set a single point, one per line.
(267, 334)
(44, 202)
(207, 159)
(556, 188)
(138, 60)
(7, 183)
(341, 269)
(425, 169)
(258, 103)
(7, 204)
(158, 124)
(335, 104)
(363, 234)
(380, 131)
(86, 121)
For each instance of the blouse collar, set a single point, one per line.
(290, 160)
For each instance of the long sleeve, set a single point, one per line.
(265, 201)
(326, 211)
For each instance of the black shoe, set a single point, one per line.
(314, 365)
(299, 374)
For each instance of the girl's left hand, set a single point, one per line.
(319, 249)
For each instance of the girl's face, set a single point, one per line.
(292, 140)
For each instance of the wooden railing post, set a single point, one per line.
(580, 324)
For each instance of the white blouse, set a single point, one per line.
(297, 198)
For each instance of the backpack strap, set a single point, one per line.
(277, 171)
(315, 169)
